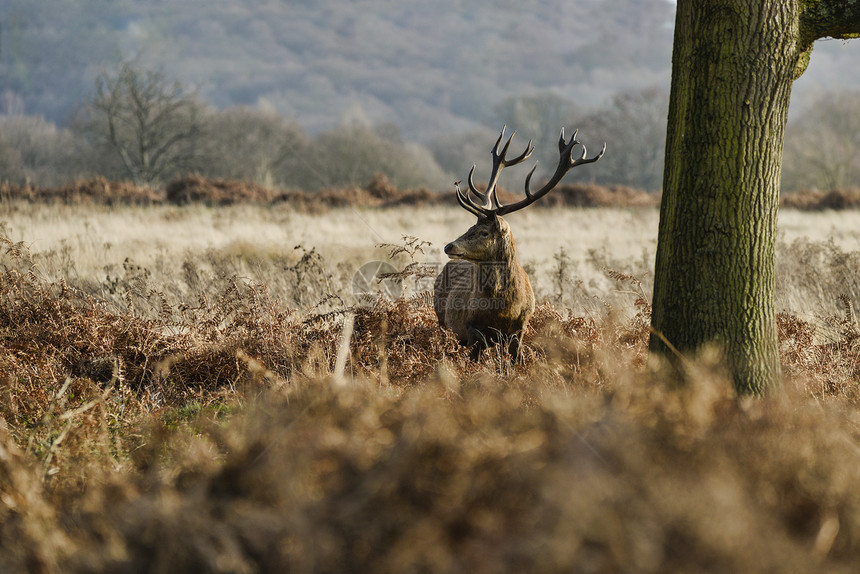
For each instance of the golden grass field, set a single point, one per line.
(169, 402)
(88, 240)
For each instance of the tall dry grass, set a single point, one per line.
(180, 411)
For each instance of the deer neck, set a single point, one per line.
(497, 277)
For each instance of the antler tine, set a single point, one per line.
(485, 196)
(565, 163)
(500, 161)
(489, 198)
(561, 143)
(466, 203)
(501, 158)
(582, 159)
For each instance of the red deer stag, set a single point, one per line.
(484, 294)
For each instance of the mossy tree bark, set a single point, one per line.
(733, 65)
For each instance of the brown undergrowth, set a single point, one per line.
(215, 436)
(816, 200)
(377, 193)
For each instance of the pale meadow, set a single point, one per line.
(567, 251)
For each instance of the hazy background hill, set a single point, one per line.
(425, 66)
(433, 72)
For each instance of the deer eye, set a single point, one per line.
(485, 233)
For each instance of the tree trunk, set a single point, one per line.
(732, 69)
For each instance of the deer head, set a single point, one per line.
(490, 238)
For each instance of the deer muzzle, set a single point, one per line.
(452, 251)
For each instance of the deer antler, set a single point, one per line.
(565, 164)
(489, 199)
(490, 204)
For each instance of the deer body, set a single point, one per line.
(484, 294)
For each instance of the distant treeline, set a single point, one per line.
(378, 193)
(140, 126)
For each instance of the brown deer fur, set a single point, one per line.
(484, 294)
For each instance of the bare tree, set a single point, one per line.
(34, 150)
(11, 168)
(250, 144)
(362, 151)
(150, 123)
(823, 143)
(635, 123)
(538, 114)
